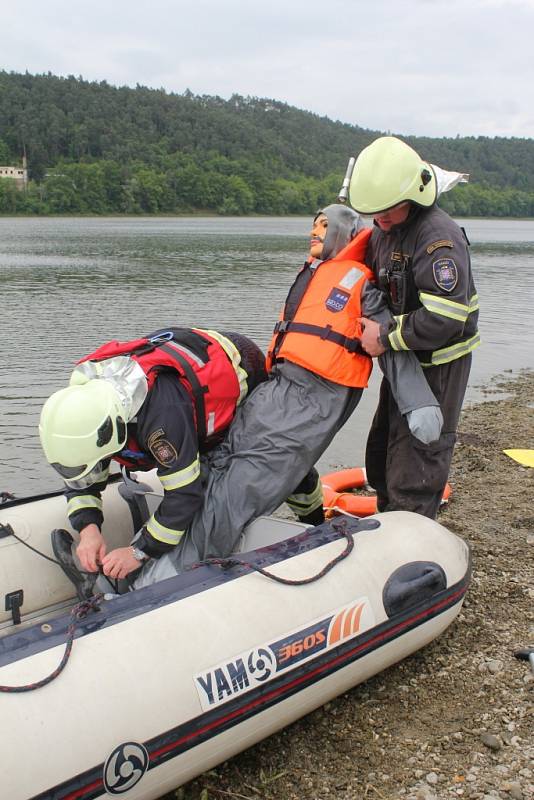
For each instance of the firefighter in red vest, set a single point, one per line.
(160, 402)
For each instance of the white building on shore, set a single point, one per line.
(17, 174)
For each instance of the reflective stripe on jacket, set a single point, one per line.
(323, 333)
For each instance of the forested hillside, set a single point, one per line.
(94, 148)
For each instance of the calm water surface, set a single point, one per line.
(68, 285)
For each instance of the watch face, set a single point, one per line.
(138, 554)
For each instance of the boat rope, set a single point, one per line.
(78, 612)
(7, 530)
(227, 563)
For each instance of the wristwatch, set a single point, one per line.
(138, 554)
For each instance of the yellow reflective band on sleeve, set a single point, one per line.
(473, 303)
(163, 534)
(453, 352)
(395, 337)
(444, 307)
(235, 357)
(302, 504)
(181, 478)
(83, 501)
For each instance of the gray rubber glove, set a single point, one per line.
(425, 423)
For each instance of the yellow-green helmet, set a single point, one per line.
(80, 426)
(389, 172)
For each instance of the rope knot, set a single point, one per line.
(85, 606)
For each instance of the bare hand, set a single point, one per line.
(119, 563)
(369, 338)
(91, 549)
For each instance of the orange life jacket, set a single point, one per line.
(323, 335)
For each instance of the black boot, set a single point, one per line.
(83, 582)
(314, 517)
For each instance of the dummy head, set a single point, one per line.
(332, 229)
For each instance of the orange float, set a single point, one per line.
(339, 496)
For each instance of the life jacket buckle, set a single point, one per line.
(353, 346)
(161, 338)
(281, 326)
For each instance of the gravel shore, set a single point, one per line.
(456, 719)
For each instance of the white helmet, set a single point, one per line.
(80, 426)
(389, 172)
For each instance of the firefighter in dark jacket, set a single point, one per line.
(420, 258)
(158, 402)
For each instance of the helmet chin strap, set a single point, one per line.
(124, 374)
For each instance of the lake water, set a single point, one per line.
(68, 285)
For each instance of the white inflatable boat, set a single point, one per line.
(168, 681)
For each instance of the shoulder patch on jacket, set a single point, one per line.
(158, 434)
(164, 452)
(445, 273)
(436, 245)
(160, 447)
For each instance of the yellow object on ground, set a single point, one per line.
(524, 457)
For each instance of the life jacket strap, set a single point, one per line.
(352, 345)
(197, 389)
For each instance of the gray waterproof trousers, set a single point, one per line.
(278, 434)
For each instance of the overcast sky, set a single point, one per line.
(422, 67)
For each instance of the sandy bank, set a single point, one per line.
(457, 718)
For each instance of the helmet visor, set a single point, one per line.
(97, 474)
(68, 472)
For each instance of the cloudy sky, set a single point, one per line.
(422, 67)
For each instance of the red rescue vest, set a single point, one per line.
(203, 367)
(323, 335)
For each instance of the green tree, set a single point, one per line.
(95, 148)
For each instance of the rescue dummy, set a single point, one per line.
(318, 371)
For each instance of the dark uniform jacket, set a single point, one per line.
(166, 432)
(424, 267)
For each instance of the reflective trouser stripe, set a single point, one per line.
(163, 534)
(453, 352)
(444, 307)
(83, 501)
(182, 477)
(302, 504)
(395, 337)
(235, 357)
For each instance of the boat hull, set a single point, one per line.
(166, 682)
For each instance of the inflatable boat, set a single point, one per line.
(138, 694)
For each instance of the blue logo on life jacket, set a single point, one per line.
(337, 300)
